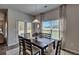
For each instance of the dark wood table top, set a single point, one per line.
(42, 42)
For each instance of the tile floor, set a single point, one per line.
(16, 52)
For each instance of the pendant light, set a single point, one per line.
(36, 20)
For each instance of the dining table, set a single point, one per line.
(42, 43)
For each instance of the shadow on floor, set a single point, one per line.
(2, 49)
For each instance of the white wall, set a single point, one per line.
(13, 16)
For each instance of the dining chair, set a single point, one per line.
(48, 36)
(27, 35)
(20, 44)
(40, 35)
(30, 49)
(58, 47)
(45, 35)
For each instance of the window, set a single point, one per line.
(51, 27)
(21, 28)
(55, 29)
(29, 30)
(46, 27)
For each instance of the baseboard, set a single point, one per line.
(2, 43)
(12, 47)
(69, 51)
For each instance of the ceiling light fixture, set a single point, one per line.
(36, 20)
(45, 6)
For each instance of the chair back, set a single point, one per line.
(27, 35)
(46, 35)
(20, 39)
(28, 45)
(20, 44)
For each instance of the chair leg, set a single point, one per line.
(59, 52)
(57, 48)
(39, 52)
(19, 50)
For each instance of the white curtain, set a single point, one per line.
(62, 23)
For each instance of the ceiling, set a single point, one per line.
(32, 9)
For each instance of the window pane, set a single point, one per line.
(29, 29)
(21, 28)
(46, 26)
(51, 27)
(55, 29)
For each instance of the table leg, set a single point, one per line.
(54, 45)
(42, 51)
(24, 52)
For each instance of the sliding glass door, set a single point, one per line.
(51, 27)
